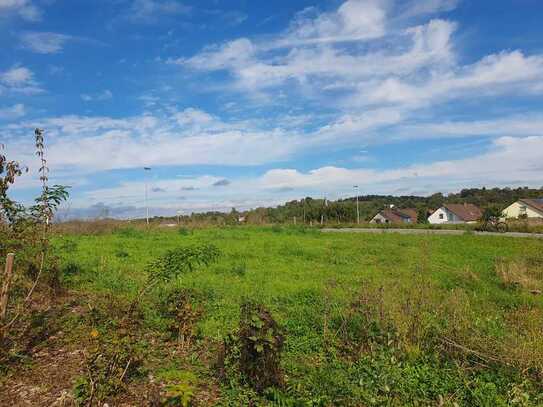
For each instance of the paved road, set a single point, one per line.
(429, 232)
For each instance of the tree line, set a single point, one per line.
(309, 210)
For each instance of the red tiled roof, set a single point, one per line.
(395, 215)
(467, 212)
(534, 203)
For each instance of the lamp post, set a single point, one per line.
(357, 209)
(146, 169)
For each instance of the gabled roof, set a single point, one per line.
(396, 215)
(537, 203)
(467, 212)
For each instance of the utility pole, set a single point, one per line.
(357, 209)
(145, 169)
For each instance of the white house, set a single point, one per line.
(529, 208)
(456, 213)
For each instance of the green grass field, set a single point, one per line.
(367, 319)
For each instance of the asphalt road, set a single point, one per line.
(430, 232)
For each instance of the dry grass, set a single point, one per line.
(519, 274)
(419, 318)
(524, 343)
(95, 227)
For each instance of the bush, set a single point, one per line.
(109, 365)
(130, 232)
(182, 313)
(181, 260)
(255, 349)
(184, 231)
(239, 269)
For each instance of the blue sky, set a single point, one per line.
(243, 103)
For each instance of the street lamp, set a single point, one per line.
(357, 209)
(145, 169)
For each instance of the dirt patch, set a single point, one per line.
(43, 380)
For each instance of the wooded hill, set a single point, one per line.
(344, 210)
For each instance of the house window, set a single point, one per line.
(440, 216)
(522, 209)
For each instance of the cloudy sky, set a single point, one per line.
(243, 103)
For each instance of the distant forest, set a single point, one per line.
(310, 210)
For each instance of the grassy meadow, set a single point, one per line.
(367, 319)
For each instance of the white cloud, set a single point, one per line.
(368, 53)
(516, 125)
(19, 79)
(354, 20)
(503, 73)
(509, 161)
(44, 42)
(149, 11)
(257, 66)
(187, 137)
(97, 97)
(522, 155)
(194, 117)
(357, 127)
(424, 7)
(13, 112)
(17, 76)
(24, 8)
(233, 53)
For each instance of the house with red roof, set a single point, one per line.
(456, 213)
(525, 208)
(395, 215)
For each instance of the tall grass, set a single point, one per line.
(371, 319)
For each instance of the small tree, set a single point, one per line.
(25, 230)
(174, 263)
(422, 216)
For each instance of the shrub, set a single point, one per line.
(121, 253)
(130, 232)
(255, 349)
(180, 387)
(178, 307)
(184, 231)
(109, 365)
(181, 260)
(174, 263)
(239, 269)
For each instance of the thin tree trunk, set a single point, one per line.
(8, 276)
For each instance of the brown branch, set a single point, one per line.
(4, 328)
(140, 295)
(483, 357)
(125, 370)
(8, 274)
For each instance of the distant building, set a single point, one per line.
(525, 208)
(456, 213)
(396, 216)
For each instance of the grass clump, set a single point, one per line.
(521, 275)
(183, 231)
